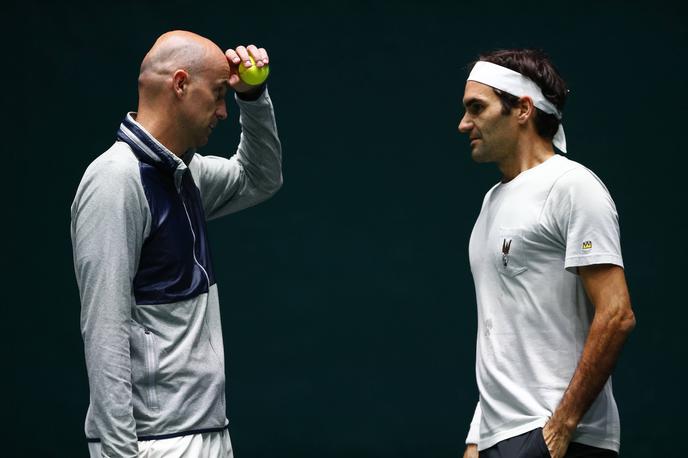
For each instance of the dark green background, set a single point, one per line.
(348, 305)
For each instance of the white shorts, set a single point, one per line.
(205, 445)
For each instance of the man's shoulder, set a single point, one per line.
(115, 170)
(116, 161)
(570, 173)
(560, 165)
(574, 181)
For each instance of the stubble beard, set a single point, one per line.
(480, 156)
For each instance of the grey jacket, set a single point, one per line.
(150, 316)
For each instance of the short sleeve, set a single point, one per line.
(584, 215)
(473, 435)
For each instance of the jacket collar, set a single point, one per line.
(150, 151)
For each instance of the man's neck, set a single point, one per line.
(526, 155)
(162, 131)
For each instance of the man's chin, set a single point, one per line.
(478, 156)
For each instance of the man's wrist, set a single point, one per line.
(253, 94)
(567, 425)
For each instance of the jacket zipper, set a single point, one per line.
(193, 235)
(151, 367)
(207, 278)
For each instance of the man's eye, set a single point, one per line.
(475, 108)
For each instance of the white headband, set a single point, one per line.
(514, 83)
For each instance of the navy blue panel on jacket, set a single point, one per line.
(175, 261)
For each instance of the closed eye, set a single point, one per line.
(220, 93)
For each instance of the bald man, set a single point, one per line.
(150, 316)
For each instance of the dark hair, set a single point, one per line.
(535, 65)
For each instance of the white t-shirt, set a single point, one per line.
(533, 313)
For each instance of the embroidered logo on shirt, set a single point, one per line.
(506, 246)
(587, 245)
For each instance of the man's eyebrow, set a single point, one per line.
(472, 100)
(222, 86)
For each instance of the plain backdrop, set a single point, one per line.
(348, 306)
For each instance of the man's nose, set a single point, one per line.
(221, 111)
(465, 125)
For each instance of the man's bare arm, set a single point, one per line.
(606, 287)
(471, 451)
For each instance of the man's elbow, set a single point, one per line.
(626, 321)
(267, 188)
(279, 183)
(629, 322)
(274, 186)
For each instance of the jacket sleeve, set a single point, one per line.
(251, 175)
(108, 219)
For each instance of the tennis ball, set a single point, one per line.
(253, 75)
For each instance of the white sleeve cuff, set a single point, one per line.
(474, 431)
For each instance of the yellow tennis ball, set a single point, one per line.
(253, 75)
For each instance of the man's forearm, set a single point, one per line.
(471, 451)
(613, 321)
(606, 287)
(254, 173)
(608, 332)
(109, 374)
(260, 150)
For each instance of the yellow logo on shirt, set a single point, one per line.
(587, 245)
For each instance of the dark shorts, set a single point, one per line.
(532, 445)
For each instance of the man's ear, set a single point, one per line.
(526, 109)
(180, 82)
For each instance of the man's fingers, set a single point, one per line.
(260, 55)
(264, 53)
(255, 54)
(243, 55)
(240, 56)
(233, 56)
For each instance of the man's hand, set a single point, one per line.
(240, 56)
(471, 451)
(557, 437)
